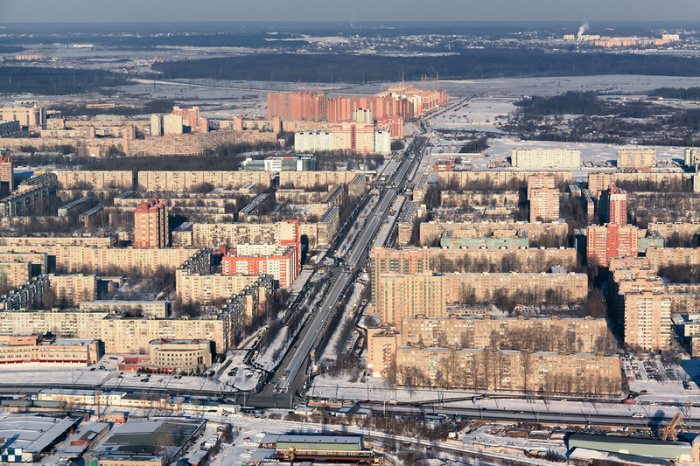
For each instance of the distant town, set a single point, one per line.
(416, 267)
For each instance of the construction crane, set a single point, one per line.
(669, 432)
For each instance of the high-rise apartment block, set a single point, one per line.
(608, 241)
(6, 176)
(151, 225)
(544, 204)
(613, 206)
(263, 259)
(691, 157)
(647, 321)
(156, 125)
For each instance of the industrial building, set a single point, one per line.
(28, 437)
(153, 441)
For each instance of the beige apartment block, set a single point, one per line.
(57, 241)
(430, 232)
(489, 370)
(98, 179)
(185, 181)
(14, 273)
(598, 182)
(540, 158)
(37, 260)
(636, 157)
(107, 260)
(209, 288)
(210, 235)
(648, 321)
(470, 179)
(585, 335)
(120, 335)
(399, 296)
(665, 257)
(73, 289)
(311, 179)
(544, 204)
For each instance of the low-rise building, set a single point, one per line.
(180, 355)
(27, 349)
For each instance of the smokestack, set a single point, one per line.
(582, 30)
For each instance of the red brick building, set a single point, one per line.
(151, 225)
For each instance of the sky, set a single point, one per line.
(337, 10)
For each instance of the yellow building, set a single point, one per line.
(180, 355)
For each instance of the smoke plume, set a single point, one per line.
(582, 29)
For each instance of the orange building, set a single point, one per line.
(264, 259)
(399, 103)
(151, 225)
(606, 242)
(614, 206)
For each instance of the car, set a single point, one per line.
(638, 415)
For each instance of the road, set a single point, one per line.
(287, 377)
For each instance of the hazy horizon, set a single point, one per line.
(125, 11)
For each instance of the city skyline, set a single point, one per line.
(46, 11)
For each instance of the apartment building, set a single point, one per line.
(14, 273)
(613, 206)
(312, 179)
(544, 204)
(38, 262)
(48, 241)
(354, 137)
(585, 335)
(636, 157)
(147, 309)
(691, 157)
(608, 241)
(430, 232)
(665, 257)
(399, 296)
(185, 181)
(7, 174)
(103, 259)
(96, 179)
(209, 288)
(151, 225)
(284, 233)
(647, 321)
(73, 289)
(598, 182)
(488, 370)
(543, 159)
(131, 335)
(263, 259)
(32, 118)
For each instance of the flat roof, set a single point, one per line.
(310, 438)
(33, 433)
(149, 438)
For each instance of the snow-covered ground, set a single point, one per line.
(266, 359)
(597, 154)
(479, 114)
(329, 354)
